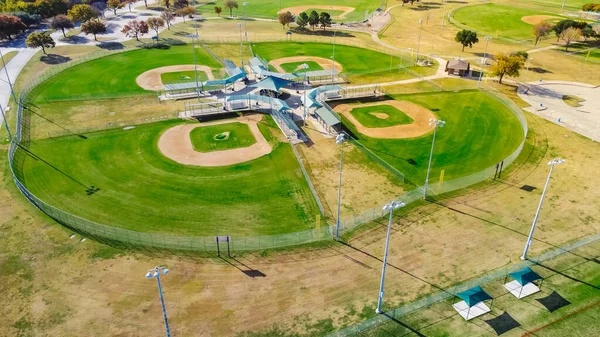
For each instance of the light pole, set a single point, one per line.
(555, 161)
(245, 4)
(192, 36)
(8, 78)
(340, 139)
(444, 15)
(528, 65)
(3, 116)
(419, 43)
(388, 207)
(436, 123)
(484, 61)
(333, 59)
(305, 67)
(155, 273)
(562, 8)
(241, 48)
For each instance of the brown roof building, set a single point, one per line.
(458, 67)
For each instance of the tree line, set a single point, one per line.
(591, 8)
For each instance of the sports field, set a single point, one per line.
(182, 77)
(140, 189)
(480, 131)
(380, 116)
(221, 137)
(269, 8)
(497, 19)
(293, 67)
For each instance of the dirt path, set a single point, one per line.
(535, 19)
(150, 80)
(299, 9)
(176, 144)
(323, 62)
(419, 114)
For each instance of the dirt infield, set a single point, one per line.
(323, 62)
(176, 144)
(299, 9)
(535, 19)
(419, 114)
(150, 80)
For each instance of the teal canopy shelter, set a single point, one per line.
(525, 275)
(272, 83)
(474, 296)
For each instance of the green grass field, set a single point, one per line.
(480, 131)
(497, 19)
(293, 67)
(269, 8)
(555, 5)
(395, 117)
(213, 137)
(182, 77)
(115, 75)
(142, 190)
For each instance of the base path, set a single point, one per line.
(176, 144)
(323, 62)
(150, 80)
(299, 9)
(419, 114)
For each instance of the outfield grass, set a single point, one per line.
(214, 137)
(480, 132)
(182, 77)
(292, 67)
(395, 117)
(142, 190)
(269, 8)
(574, 5)
(495, 19)
(115, 74)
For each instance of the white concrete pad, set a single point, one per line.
(519, 291)
(475, 311)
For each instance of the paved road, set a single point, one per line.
(13, 67)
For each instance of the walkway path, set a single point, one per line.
(13, 68)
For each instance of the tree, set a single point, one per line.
(129, 3)
(28, 19)
(10, 25)
(507, 65)
(168, 17)
(81, 13)
(40, 39)
(185, 11)
(114, 5)
(155, 24)
(50, 8)
(563, 25)
(325, 20)
(167, 3)
(302, 20)
(231, 4)
(61, 22)
(466, 38)
(541, 30)
(591, 8)
(93, 27)
(313, 19)
(218, 10)
(569, 35)
(285, 18)
(522, 54)
(588, 32)
(178, 4)
(135, 28)
(146, 3)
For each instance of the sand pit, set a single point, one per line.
(299, 9)
(176, 144)
(535, 19)
(150, 80)
(323, 62)
(419, 114)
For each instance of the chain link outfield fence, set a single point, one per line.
(18, 151)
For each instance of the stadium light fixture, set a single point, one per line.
(556, 161)
(419, 43)
(484, 59)
(155, 273)
(390, 207)
(436, 123)
(339, 140)
(241, 46)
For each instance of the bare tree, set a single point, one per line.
(541, 30)
(168, 17)
(569, 35)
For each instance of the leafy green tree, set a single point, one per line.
(563, 25)
(218, 10)
(285, 18)
(507, 65)
(81, 13)
(313, 19)
(50, 8)
(93, 27)
(325, 20)
(28, 19)
(61, 22)
(10, 25)
(231, 4)
(302, 20)
(522, 54)
(466, 38)
(114, 5)
(588, 33)
(40, 39)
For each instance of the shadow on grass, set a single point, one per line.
(54, 59)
